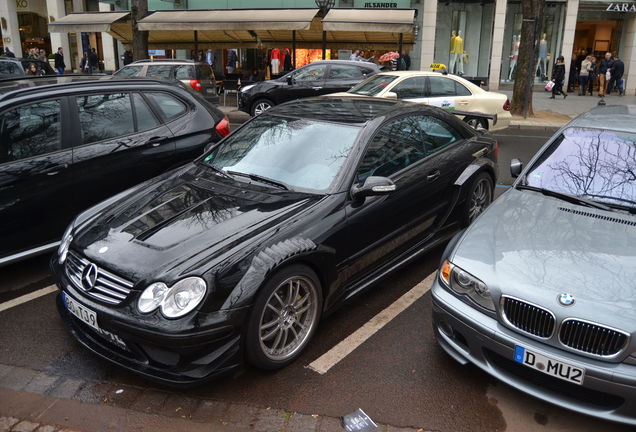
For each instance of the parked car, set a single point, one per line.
(12, 67)
(243, 250)
(449, 92)
(539, 291)
(67, 143)
(197, 76)
(315, 79)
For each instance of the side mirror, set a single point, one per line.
(290, 80)
(391, 95)
(516, 166)
(373, 186)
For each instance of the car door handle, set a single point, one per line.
(55, 170)
(317, 88)
(464, 102)
(480, 153)
(433, 175)
(155, 141)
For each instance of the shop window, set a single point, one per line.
(410, 88)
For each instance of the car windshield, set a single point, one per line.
(299, 153)
(590, 163)
(374, 85)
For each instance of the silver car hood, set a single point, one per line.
(535, 247)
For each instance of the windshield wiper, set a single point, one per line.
(566, 197)
(261, 179)
(219, 171)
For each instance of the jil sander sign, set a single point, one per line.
(621, 7)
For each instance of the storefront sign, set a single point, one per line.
(395, 4)
(621, 7)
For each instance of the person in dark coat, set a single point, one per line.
(617, 71)
(407, 60)
(93, 61)
(593, 75)
(60, 66)
(606, 66)
(574, 73)
(558, 75)
(8, 52)
(128, 57)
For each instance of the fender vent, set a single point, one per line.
(597, 216)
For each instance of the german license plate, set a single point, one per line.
(549, 366)
(89, 317)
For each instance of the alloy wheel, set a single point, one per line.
(479, 199)
(261, 107)
(289, 316)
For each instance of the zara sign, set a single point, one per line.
(621, 7)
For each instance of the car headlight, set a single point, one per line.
(465, 284)
(62, 251)
(247, 87)
(174, 301)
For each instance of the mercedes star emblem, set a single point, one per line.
(89, 277)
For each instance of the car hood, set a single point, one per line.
(536, 247)
(184, 223)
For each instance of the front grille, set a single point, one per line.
(108, 287)
(592, 338)
(527, 317)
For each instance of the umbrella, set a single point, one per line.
(391, 55)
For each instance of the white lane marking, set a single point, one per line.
(27, 297)
(329, 359)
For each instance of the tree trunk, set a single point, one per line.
(138, 10)
(528, 54)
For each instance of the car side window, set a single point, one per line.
(9, 68)
(311, 73)
(344, 72)
(461, 90)
(183, 72)
(158, 71)
(410, 88)
(169, 106)
(437, 134)
(442, 87)
(131, 71)
(145, 118)
(104, 116)
(395, 146)
(30, 130)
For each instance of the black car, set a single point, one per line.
(67, 143)
(315, 79)
(12, 67)
(241, 252)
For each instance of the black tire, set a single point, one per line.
(262, 353)
(259, 106)
(478, 197)
(476, 123)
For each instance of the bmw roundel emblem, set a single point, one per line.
(566, 299)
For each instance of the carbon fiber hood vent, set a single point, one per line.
(598, 216)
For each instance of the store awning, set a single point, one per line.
(370, 20)
(230, 19)
(88, 22)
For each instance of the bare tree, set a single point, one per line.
(138, 10)
(528, 53)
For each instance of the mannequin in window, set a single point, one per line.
(274, 61)
(232, 59)
(514, 55)
(543, 58)
(457, 53)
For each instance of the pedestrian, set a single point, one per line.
(354, 55)
(60, 66)
(593, 74)
(32, 70)
(584, 75)
(574, 73)
(128, 58)
(84, 63)
(8, 52)
(603, 76)
(558, 76)
(618, 70)
(42, 55)
(33, 53)
(407, 60)
(93, 61)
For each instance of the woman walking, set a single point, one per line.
(593, 74)
(558, 75)
(584, 75)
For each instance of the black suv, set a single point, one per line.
(315, 79)
(67, 143)
(197, 76)
(12, 67)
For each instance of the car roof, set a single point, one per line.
(609, 117)
(345, 109)
(166, 61)
(347, 62)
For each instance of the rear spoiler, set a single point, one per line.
(492, 117)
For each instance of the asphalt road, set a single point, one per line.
(399, 376)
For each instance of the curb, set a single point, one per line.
(543, 127)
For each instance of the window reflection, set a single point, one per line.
(105, 116)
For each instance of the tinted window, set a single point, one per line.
(395, 146)
(311, 73)
(461, 90)
(204, 71)
(105, 116)
(170, 106)
(442, 87)
(591, 163)
(299, 152)
(158, 71)
(129, 71)
(30, 130)
(410, 88)
(374, 85)
(9, 68)
(183, 72)
(437, 134)
(145, 118)
(343, 72)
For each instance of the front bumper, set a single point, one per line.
(244, 102)
(184, 356)
(467, 335)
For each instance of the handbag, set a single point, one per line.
(549, 86)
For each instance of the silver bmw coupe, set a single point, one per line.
(540, 291)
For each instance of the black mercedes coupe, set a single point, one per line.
(239, 254)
